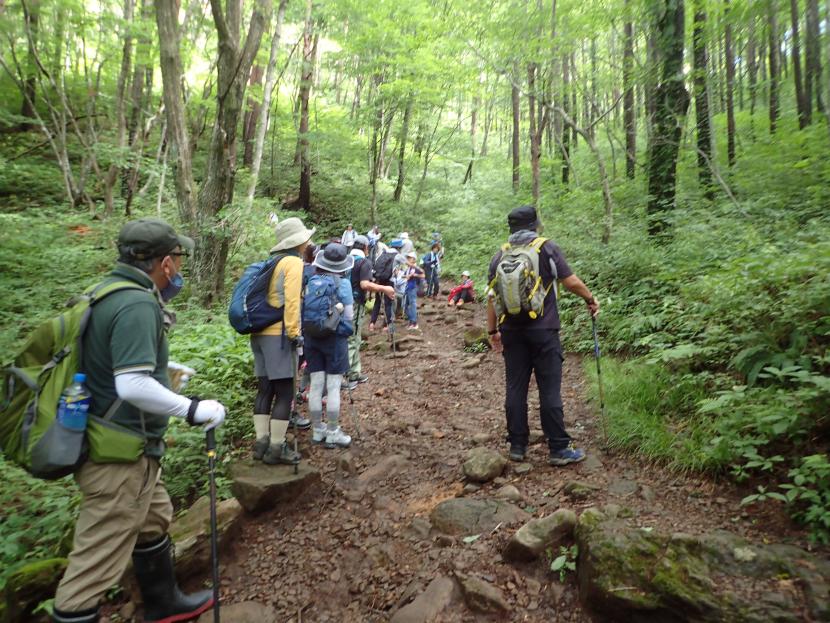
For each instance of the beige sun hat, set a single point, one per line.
(291, 233)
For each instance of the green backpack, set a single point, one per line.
(32, 386)
(517, 286)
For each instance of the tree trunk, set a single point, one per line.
(774, 68)
(803, 105)
(31, 16)
(535, 147)
(629, 118)
(752, 65)
(262, 122)
(251, 118)
(120, 114)
(167, 20)
(730, 88)
(514, 97)
(407, 115)
(704, 127)
(304, 197)
(813, 57)
(566, 132)
(672, 104)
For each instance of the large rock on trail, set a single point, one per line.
(260, 487)
(531, 540)
(483, 464)
(429, 605)
(480, 596)
(476, 338)
(243, 612)
(29, 585)
(191, 534)
(469, 516)
(627, 573)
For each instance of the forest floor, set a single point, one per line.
(333, 556)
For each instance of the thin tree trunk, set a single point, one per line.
(803, 105)
(31, 16)
(774, 68)
(407, 115)
(730, 88)
(304, 197)
(701, 85)
(533, 133)
(672, 103)
(566, 111)
(629, 117)
(251, 117)
(813, 56)
(262, 122)
(752, 65)
(514, 97)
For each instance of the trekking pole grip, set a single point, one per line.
(210, 437)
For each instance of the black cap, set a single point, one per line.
(147, 238)
(523, 218)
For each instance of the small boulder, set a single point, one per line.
(481, 596)
(243, 612)
(427, 606)
(260, 487)
(476, 338)
(191, 534)
(458, 516)
(30, 584)
(578, 490)
(483, 464)
(509, 493)
(531, 540)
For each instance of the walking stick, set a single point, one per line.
(599, 382)
(214, 539)
(353, 411)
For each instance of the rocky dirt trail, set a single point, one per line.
(365, 542)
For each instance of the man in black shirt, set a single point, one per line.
(531, 344)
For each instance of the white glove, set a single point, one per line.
(211, 413)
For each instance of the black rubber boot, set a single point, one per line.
(78, 616)
(163, 601)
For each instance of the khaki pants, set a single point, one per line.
(355, 340)
(123, 504)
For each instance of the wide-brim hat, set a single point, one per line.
(413, 255)
(334, 258)
(291, 233)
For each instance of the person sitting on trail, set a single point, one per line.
(326, 347)
(125, 509)
(464, 292)
(383, 269)
(432, 268)
(275, 347)
(523, 320)
(361, 280)
(347, 239)
(408, 246)
(412, 273)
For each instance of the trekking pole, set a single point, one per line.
(599, 381)
(294, 416)
(353, 411)
(214, 539)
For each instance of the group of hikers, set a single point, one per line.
(322, 294)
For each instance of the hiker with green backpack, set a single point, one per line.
(117, 335)
(523, 321)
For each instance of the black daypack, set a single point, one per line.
(383, 267)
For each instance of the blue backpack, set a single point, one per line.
(249, 311)
(320, 316)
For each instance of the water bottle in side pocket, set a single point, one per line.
(73, 405)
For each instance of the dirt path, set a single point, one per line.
(337, 556)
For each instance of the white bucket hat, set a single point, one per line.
(291, 233)
(465, 273)
(413, 255)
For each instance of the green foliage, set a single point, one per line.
(565, 562)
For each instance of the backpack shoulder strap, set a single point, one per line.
(102, 290)
(538, 243)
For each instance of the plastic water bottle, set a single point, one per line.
(74, 404)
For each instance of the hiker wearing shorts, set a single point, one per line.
(463, 292)
(275, 347)
(125, 510)
(532, 345)
(328, 357)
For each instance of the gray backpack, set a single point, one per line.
(517, 286)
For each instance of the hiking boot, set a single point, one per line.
(349, 385)
(77, 616)
(295, 419)
(517, 452)
(260, 446)
(318, 434)
(360, 378)
(566, 456)
(281, 453)
(337, 438)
